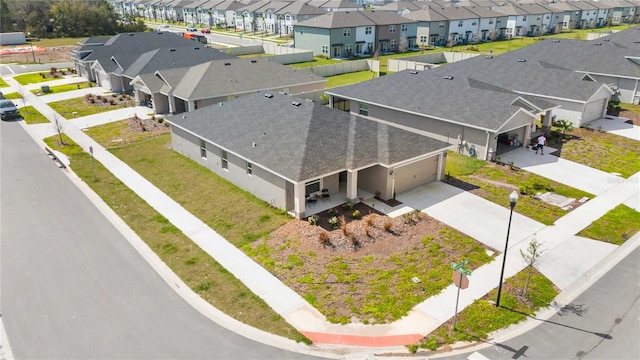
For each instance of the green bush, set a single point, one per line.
(356, 214)
(313, 219)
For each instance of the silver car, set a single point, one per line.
(8, 110)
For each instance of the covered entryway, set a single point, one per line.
(415, 174)
(593, 111)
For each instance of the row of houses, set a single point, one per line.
(404, 25)
(383, 136)
(365, 144)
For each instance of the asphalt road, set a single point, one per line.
(74, 288)
(19, 69)
(601, 323)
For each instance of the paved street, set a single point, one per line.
(601, 323)
(74, 288)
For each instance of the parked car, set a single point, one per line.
(164, 26)
(205, 31)
(1, 95)
(191, 28)
(8, 110)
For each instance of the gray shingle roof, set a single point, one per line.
(160, 59)
(302, 142)
(455, 12)
(300, 8)
(350, 19)
(240, 76)
(425, 15)
(429, 93)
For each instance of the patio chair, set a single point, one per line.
(325, 195)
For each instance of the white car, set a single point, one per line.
(164, 26)
(191, 28)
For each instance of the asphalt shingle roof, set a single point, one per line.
(302, 142)
(233, 76)
(429, 93)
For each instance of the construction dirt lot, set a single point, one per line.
(23, 54)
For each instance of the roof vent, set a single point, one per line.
(254, 61)
(173, 50)
(268, 96)
(196, 48)
(296, 103)
(449, 77)
(221, 104)
(522, 60)
(556, 41)
(184, 117)
(227, 64)
(131, 34)
(605, 39)
(254, 144)
(413, 72)
(598, 44)
(489, 57)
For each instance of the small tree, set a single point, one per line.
(531, 257)
(565, 126)
(59, 127)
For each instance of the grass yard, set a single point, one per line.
(235, 214)
(32, 116)
(58, 42)
(33, 78)
(196, 268)
(495, 182)
(479, 319)
(3, 83)
(317, 61)
(65, 88)
(13, 96)
(66, 108)
(118, 133)
(349, 78)
(603, 151)
(615, 227)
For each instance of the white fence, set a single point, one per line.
(280, 54)
(426, 61)
(347, 67)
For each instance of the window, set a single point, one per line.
(367, 30)
(325, 49)
(538, 18)
(441, 26)
(370, 47)
(498, 21)
(312, 187)
(392, 28)
(348, 48)
(524, 18)
(346, 32)
(459, 23)
(363, 109)
(249, 168)
(490, 21)
(203, 149)
(473, 23)
(423, 39)
(393, 44)
(403, 27)
(225, 161)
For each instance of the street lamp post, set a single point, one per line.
(513, 198)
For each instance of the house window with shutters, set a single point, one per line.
(392, 28)
(346, 32)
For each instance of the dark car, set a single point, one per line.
(8, 110)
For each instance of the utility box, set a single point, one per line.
(45, 89)
(12, 38)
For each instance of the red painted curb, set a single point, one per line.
(360, 340)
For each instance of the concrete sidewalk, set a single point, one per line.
(477, 217)
(618, 126)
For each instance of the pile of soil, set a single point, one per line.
(42, 55)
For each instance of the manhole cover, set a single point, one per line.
(555, 199)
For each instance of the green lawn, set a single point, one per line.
(477, 320)
(196, 268)
(603, 151)
(615, 227)
(3, 83)
(33, 78)
(64, 88)
(66, 108)
(32, 116)
(349, 78)
(317, 61)
(495, 183)
(58, 42)
(13, 96)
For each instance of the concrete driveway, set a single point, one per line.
(479, 218)
(561, 170)
(617, 125)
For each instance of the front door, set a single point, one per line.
(337, 51)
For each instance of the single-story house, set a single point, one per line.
(115, 62)
(189, 88)
(284, 150)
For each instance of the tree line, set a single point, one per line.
(64, 18)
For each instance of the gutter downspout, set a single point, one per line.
(635, 91)
(486, 147)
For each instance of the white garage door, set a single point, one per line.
(418, 173)
(594, 111)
